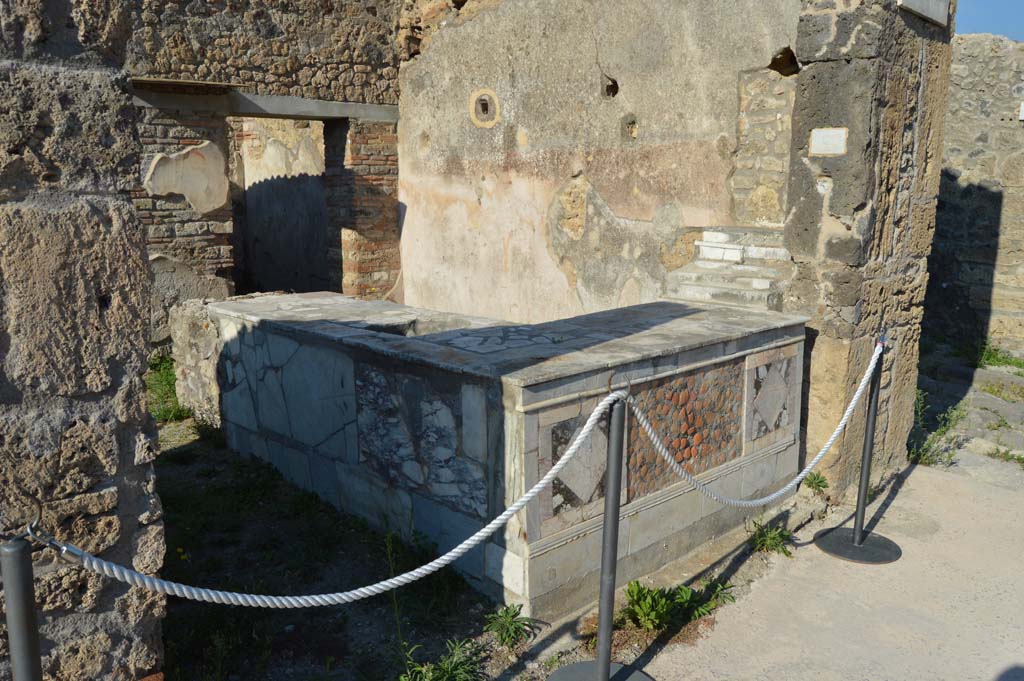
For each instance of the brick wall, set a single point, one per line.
(197, 245)
(173, 227)
(362, 207)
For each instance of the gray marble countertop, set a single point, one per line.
(524, 354)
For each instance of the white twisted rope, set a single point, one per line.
(123, 574)
(678, 468)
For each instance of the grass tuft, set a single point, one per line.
(510, 627)
(771, 539)
(160, 395)
(463, 661)
(1005, 454)
(935, 447)
(816, 482)
(1005, 391)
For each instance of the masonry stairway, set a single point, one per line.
(742, 266)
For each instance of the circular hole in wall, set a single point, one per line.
(484, 108)
(630, 128)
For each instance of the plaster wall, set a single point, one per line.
(606, 144)
(281, 212)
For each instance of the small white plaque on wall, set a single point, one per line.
(829, 141)
(936, 11)
(1022, 111)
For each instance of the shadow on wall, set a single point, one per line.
(963, 262)
(1012, 674)
(284, 237)
(962, 273)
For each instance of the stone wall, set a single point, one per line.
(977, 266)
(760, 176)
(340, 50)
(568, 154)
(182, 199)
(74, 305)
(863, 212)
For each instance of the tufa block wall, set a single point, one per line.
(861, 224)
(74, 287)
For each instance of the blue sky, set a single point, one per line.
(1002, 17)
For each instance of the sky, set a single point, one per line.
(1002, 17)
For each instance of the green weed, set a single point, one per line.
(816, 482)
(655, 609)
(1005, 454)
(650, 609)
(991, 355)
(939, 446)
(160, 395)
(770, 539)
(1000, 423)
(1005, 391)
(463, 661)
(510, 627)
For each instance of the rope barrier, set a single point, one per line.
(123, 574)
(120, 573)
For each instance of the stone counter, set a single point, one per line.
(421, 421)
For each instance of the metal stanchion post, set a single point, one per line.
(602, 668)
(857, 545)
(20, 602)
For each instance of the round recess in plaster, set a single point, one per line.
(630, 128)
(484, 108)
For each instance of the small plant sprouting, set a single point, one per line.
(510, 627)
(770, 539)
(463, 661)
(1004, 454)
(650, 609)
(816, 482)
(991, 355)
(655, 609)
(160, 391)
(938, 447)
(1005, 391)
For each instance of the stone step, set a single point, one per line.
(739, 252)
(753, 236)
(728, 278)
(724, 295)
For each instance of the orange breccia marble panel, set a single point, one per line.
(698, 415)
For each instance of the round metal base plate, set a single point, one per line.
(587, 671)
(876, 549)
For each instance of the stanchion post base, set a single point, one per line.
(587, 671)
(876, 549)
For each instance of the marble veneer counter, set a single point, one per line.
(519, 354)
